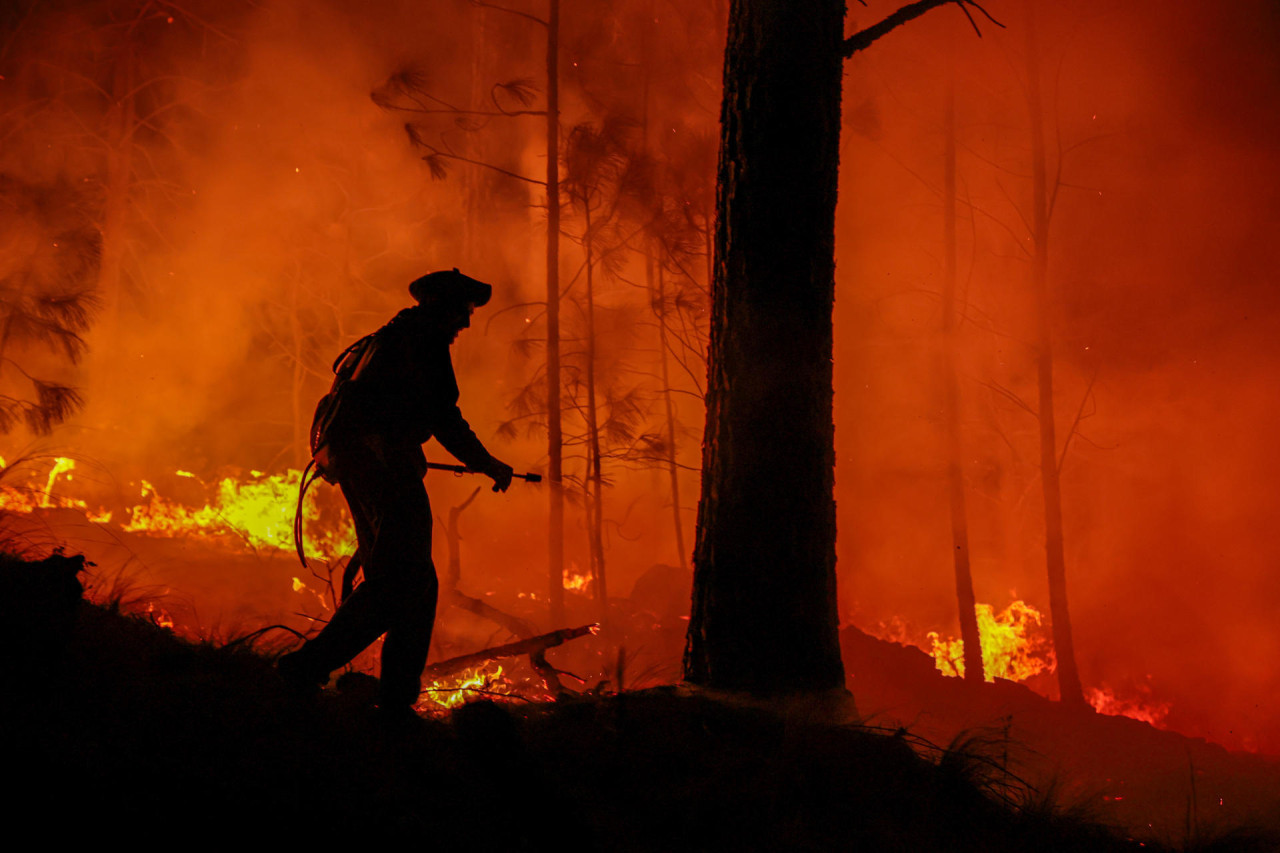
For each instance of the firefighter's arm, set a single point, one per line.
(453, 431)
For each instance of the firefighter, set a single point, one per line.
(406, 393)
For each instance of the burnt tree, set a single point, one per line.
(764, 593)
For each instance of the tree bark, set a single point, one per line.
(764, 602)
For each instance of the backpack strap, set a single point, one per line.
(347, 368)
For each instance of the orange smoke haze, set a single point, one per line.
(1162, 265)
(259, 211)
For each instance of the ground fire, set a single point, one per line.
(256, 514)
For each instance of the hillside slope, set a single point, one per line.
(115, 725)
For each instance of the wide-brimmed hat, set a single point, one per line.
(450, 286)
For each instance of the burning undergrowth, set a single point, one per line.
(244, 525)
(215, 561)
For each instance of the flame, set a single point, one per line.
(260, 511)
(61, 465)
(455, 690)
(576, 580)
(30, 498)
(1141, 707)
(1012, 646)
(158, 616)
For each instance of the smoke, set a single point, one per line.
(261, 209)
(1162, 263)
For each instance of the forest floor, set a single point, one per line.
(1124, 772)
(115, 726)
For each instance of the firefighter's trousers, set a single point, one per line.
(382, 483)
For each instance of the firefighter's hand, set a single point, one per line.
(500, 472)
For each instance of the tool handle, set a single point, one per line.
(463, 469)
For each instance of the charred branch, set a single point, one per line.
(864, 38)
(532, 646)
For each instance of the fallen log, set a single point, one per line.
(532, 646)
(514, 624)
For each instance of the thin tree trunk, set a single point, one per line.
(1069, 686)
(595, 475)
(672, 466)
(965, 599)
(764, 599)
(555, 439)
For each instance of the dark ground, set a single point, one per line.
(114, 727)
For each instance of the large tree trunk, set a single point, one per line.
(764, 599)
(555, 440)
(1063, 645)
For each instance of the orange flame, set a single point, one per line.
(1141, 707)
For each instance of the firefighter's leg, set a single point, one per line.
(404, 651)
(403, 555)
(364, 615)
(361, 619)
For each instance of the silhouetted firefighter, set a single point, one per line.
(395, 390)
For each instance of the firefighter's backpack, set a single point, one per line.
(346, 369)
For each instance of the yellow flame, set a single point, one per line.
(455, 690)
(60, 465)
(1012, 648)
(259, 511)
(159, 617)
(576, 580)
(28, 498)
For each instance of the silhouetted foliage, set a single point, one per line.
(49, 255)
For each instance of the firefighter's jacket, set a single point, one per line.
(408, 393)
